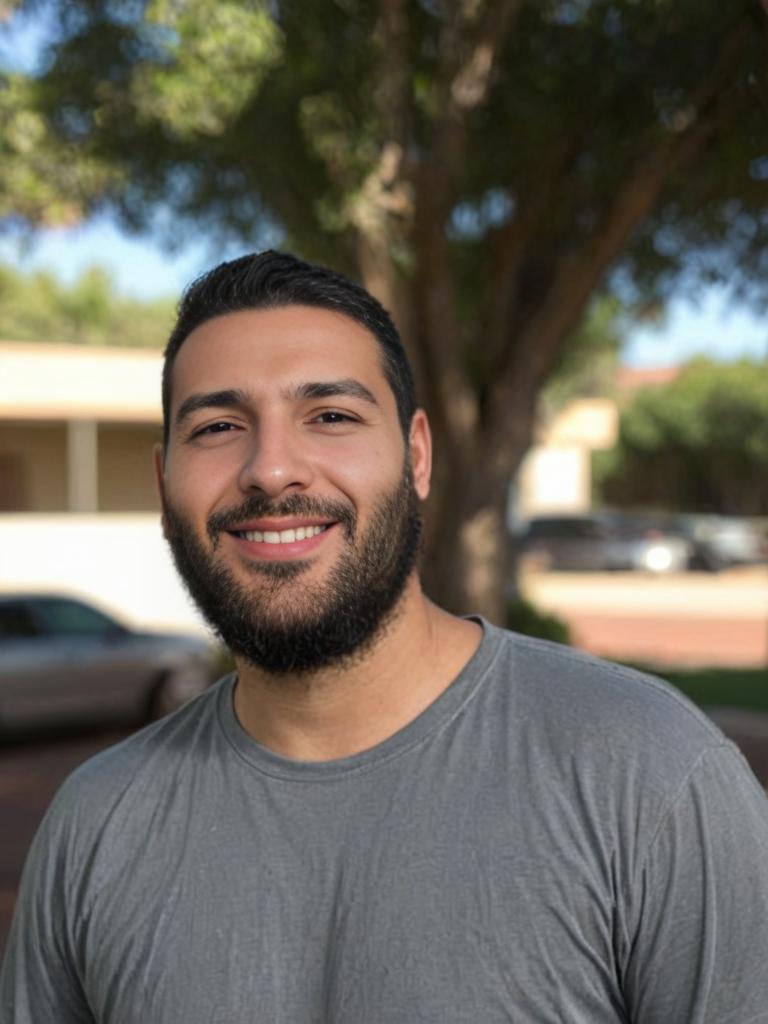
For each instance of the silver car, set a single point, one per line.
(602, 542)
(63, 661)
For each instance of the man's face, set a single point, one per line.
(290, 500)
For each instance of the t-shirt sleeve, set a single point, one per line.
(698, 949)
(39, 980)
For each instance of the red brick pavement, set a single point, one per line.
(671, 639)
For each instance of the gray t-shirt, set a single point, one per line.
(554, 839)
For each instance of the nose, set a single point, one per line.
(276, 461)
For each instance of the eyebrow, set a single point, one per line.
(230, 398)
(235, 398)
(347, 387)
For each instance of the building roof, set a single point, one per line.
(54, 382)
(629, 378)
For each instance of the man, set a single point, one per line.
(387, 814)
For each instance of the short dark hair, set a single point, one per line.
(269, 280)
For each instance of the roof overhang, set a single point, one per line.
(54, 382)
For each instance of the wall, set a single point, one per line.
(39, 451)
(42, 449)
(121, 562)
(126, 476)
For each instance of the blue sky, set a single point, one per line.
(141, 267)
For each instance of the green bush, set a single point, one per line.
(522, 617)
(719, 687)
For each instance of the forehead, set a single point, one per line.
(269, 348)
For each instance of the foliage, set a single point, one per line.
(588, 363)
(487, 167)
(523, 617)
(721, 687)
(38, 307)
(42, 180)
(697, 443)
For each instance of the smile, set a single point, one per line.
(281, 536)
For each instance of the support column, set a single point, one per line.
(83, 465)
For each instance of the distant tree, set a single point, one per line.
(38, 307)
(699, 443)
(589, 363)
(487, 167)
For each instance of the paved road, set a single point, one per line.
(741, 592)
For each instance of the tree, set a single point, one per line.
(699, 443)
(587, 366)
(38, 307)
(487, 167)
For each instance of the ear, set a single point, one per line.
(159, 463)
(420, 445)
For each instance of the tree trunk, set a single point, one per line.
(482, 435)
(467, 565)
(464, 565)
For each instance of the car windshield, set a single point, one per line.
(16, 622)
(577, 528)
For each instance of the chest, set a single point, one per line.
(344, 908)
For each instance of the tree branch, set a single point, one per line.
(382, 209)
(393, 88)
(509, 245)
(469, 46)
(578, 274)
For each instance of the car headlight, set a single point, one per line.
(658, 558)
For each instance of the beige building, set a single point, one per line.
(78, 424)
(556, 475)
(77, 427)
(78, 510)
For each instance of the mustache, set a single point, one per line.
(260, 507)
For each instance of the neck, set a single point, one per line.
(341, 710)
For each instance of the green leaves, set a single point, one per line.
(43, 178)
(38, 307)
(700, 441)
(213, 57)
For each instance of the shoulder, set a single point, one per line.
(599, 714)
(616, 756)
(148, 760)
(582, 686)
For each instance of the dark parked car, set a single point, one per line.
(63, 661)
(602, 542)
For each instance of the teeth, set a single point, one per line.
(282, 536)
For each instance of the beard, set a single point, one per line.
(283, 624)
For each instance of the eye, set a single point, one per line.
(332, 416)
(220, 427)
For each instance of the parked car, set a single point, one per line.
(726, 540)
(602, 542)
(62, 661)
